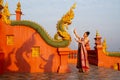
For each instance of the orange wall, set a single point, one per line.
(107, 61)
(18, 57)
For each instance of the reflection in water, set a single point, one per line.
(94, 74)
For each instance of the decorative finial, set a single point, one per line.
(104, 44)
(97, 33)
(18, 11)
(18, 7)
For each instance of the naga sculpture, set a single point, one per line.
(62, 25)
(61, 38)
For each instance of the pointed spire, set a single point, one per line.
(98, 44)
(104, 44)
(18, 6)
(97, 33)
(18, 11)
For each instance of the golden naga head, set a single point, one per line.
(69, 15)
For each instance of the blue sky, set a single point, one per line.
(90, 15)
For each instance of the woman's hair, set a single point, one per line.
(88, 33)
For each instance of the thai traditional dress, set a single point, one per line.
(82, 58)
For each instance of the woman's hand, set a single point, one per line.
(76, 35)
(74, 30)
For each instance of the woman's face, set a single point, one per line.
(84, 35)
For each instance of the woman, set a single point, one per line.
(82, 57)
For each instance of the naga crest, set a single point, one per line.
(63, 23)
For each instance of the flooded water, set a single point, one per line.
(94, 74)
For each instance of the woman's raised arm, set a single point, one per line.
(76, 35)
